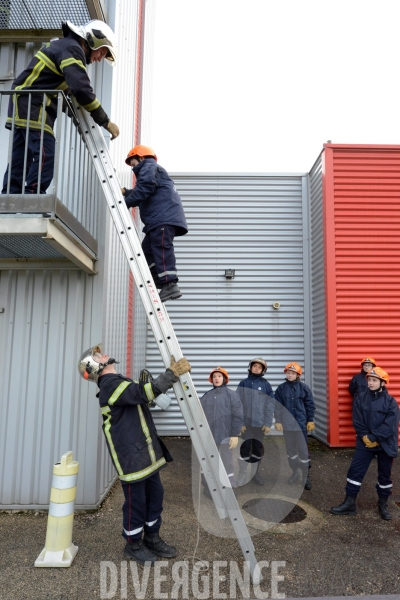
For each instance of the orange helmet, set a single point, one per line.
(140, 151)
(293, 366)
(218, 370)
(379, 373)
(368, 359)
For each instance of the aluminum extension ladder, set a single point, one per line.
(200, 433)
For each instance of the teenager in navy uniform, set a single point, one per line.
(162, 213)
(376, 421)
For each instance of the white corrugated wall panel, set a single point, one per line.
(318, 317)
(254, 224)
(46, 409)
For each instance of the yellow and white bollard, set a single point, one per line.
(59, 551)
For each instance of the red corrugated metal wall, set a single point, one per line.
(361, 197)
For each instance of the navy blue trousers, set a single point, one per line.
(252, 449)
(297, 449)
(158, 248)
(34, 161)
(142, 507)
(359, 466)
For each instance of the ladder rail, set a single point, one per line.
(199, 430)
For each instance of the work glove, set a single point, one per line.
(233, 442)
(113, 129)
(179, 367)
(265, 429)
(368, 442)
(243, 429)
(123, 191)
(310, 426)
(278, 427)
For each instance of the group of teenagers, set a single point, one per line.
(250, 411)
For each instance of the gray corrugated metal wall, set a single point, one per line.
(254, 224)
(318, 332)
(52, 314)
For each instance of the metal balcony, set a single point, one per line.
(62, 222)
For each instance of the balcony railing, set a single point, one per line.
(72, 199)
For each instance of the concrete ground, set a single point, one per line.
(322, 555)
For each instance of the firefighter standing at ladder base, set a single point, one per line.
(162, 213)
(294, 415)
(376, 421)
(59, 65)
(136, 450)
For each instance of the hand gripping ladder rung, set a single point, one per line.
(200, 433)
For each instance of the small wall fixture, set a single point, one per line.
(230, 273)
(276, 305)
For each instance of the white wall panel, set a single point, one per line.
(254, 224)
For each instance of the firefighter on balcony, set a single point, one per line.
(359, 382)
(294, 415)
(59, 65)
(136, 450)
(376, 421)
(162, 213)
(257, 399)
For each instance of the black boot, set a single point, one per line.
(257, 477)
(348, 507)
(158, 546)
(137, 551)
(241, 478)
(295, 476)
(306, 481)
(383, 509)
(170, 291)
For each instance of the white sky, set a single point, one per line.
(260, 85)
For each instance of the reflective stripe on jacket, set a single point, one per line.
(59, 65)
(135, 448)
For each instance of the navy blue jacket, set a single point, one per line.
(155, 195)
(58, 65)
(376, 414)
(358, 384)
(257, 396)
(294, 404)
(224, 413)
(135, 448)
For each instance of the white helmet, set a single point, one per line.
(97, 34)
(88, 367)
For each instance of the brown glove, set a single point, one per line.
(310, 426)
(123, 191)
(278, 427)
(368, 442)
(233, 442)
(179, 367)
(265, 429)
(243, 429)
(113, 129)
